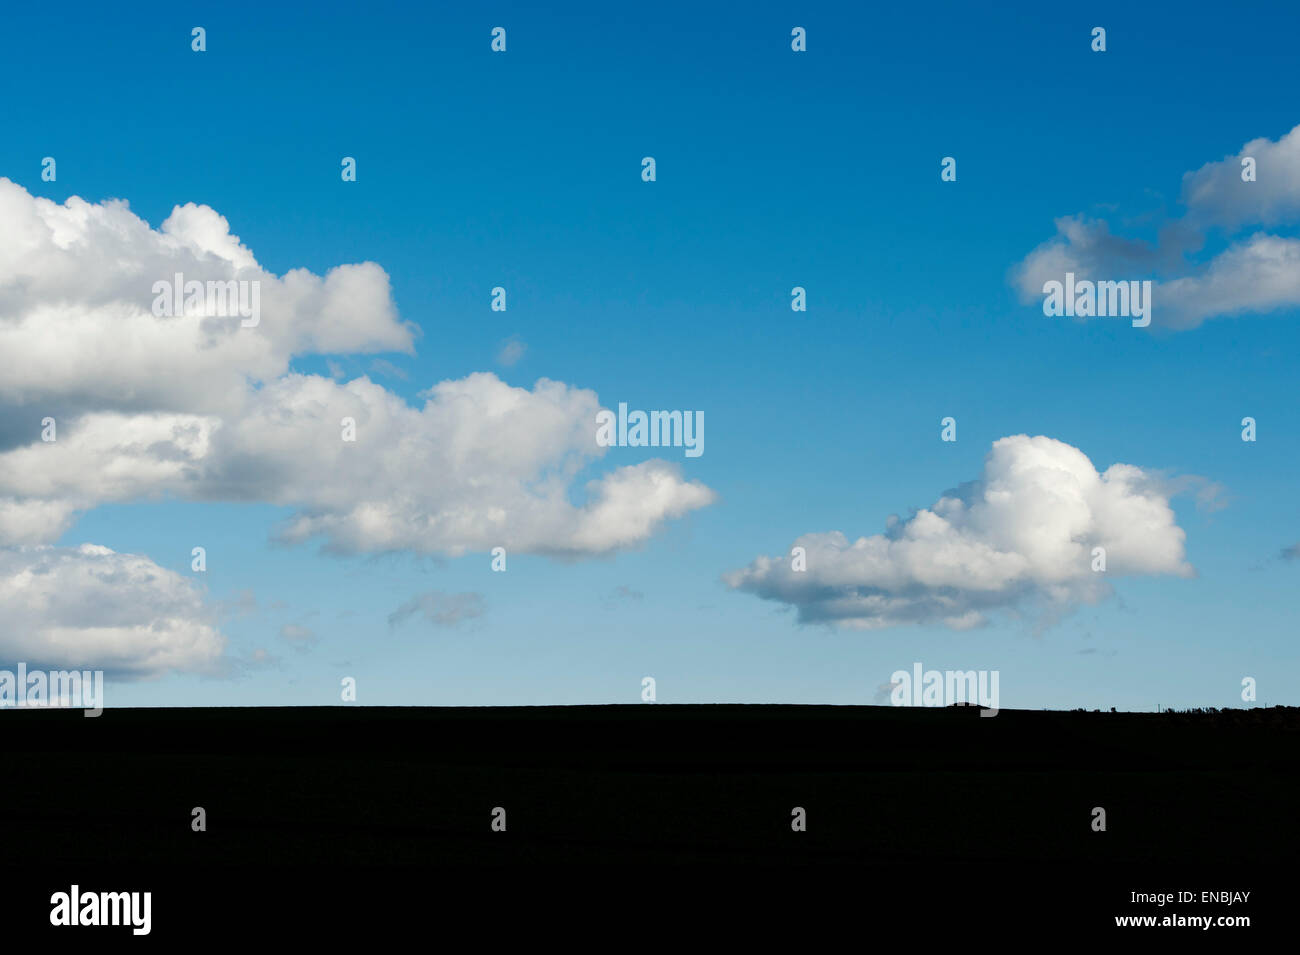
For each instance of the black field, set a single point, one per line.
(937, 808)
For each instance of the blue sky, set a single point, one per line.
(774, 169)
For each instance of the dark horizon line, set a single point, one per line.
(1203, 711)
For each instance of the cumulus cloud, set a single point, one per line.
(1255, 273)
(89, 607)
(479, 464)
(77, 329)
(202, 407)
(1021, 535)
(1259, 274)
(1216, 194)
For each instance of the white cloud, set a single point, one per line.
(89, 607)
(1022, 534)
(1256, 273)
(203, 408)
(481, 464)
(77, 330)
(1259, 274)
(1216, 193)
(157, 405)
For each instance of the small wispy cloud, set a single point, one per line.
(382, 366)
(510, 352)
(621, 595)
(301, 637)
(241, 604)
(440, 609)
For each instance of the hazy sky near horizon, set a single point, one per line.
(774, 169)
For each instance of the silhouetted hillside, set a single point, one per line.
(955, 799)
(651, 781)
